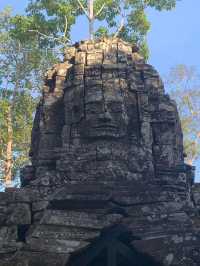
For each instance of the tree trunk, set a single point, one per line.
(91, 18)
(91, 23)
(190, 161)
(8, 154)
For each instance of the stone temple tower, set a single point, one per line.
(108, 184)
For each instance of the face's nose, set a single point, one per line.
(105, 116)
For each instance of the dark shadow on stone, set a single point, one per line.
(51, 83)
(112, 248)
(21, 232)
(74, 205)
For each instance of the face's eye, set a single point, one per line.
(94, 108)
(115, 107)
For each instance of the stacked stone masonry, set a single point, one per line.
(106, 151)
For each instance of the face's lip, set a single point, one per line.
(105, 126)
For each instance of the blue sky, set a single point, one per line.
(174, 37)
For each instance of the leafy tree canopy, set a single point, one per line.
(22, 67)
(184, 84)
(54, 18)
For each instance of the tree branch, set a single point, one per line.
(120, 28)
(189, 103)
(100, 10)
(42, 34)
(146, 3)
(66, 26)
(50, 37)
(123, 15)
(193, 158)
(83, 8)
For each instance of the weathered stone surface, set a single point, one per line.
(62, 232)
(19, 214)
(107, 150)
(80, 219)
(36, 259)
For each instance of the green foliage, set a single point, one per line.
(101, 32)
(184, 83)
(22, 67)
(144, 50)
(22, 115)
(49, 18)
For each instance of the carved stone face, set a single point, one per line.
(98, 112)
(105, 119)
(105, 115)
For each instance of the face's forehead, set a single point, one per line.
(95, 94)
(101, 86)
(113, 95)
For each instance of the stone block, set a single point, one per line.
(80, 58)
(39, 205)
(64, 233)
(80, 219)
(19, 214)
(164, 155)
(27, 258)
(53, 245)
